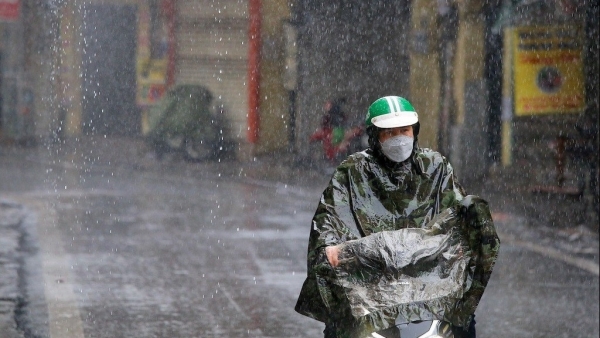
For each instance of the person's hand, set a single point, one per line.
(332, 253)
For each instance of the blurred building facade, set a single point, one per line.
(97, 66)
(73, 66)
(17, 86)
(449, 58)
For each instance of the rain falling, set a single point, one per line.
(299, 168)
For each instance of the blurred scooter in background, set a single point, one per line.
(188, 121)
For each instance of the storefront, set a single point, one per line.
(233, 48)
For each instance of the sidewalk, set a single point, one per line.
(556, 225)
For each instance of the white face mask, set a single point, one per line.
(398, 148)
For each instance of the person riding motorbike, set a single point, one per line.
(395, 238)
(333, 133)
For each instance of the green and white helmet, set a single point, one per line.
(391, 112)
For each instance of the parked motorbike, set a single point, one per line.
(189, 122)
(421, 329)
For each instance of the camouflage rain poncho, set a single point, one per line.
(414, 246)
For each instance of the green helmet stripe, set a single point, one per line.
(396, 104)
(393, 104)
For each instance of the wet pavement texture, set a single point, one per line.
(118, 244)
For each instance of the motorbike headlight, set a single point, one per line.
(438, 330)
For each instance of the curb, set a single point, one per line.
(11, 217)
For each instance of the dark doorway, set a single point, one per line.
(109, 82)
(493, 76)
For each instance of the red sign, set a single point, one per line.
(9, 10)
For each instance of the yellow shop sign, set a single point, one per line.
(547, 71)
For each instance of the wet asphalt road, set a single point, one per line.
(209, 250)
